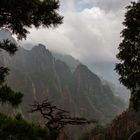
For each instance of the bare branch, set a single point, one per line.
(57, 118)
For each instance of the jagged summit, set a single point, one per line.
(38, 75)
(85, 71)
(40, 47)
(82, 68)
(68, 59)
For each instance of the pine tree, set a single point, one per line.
(129, 53)
(18, 16)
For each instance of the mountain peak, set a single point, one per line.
(39, 47)
(81, 68)
(41, 51)
(68, 59)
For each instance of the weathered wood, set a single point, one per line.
(57, 118)
(135, 136)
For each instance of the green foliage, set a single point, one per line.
(8, 46)
(129, 55)
(3, 73)
(8, 95)
(19, 129)
(20, 15)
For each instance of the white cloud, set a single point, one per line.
(92, 34)
(107, 5)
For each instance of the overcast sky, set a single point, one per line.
(90, 31)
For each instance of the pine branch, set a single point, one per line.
(10, 96)
(8, 46)
(3, 73)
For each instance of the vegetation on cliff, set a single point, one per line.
(129, 53)
(18, 16)
(124, 125)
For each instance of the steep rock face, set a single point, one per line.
(104, 70)
(33, 73)
(38, 75)
(68, 59)
(64, 75)
(124, 125)
(93, 94)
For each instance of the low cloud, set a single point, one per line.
(89, 32)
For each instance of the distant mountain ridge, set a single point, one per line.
(68, 59)
(105, 70)
(38, 75)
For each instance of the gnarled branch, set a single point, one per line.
(57, 118)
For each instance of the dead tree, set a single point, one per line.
(57, 118)
(135, 136)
